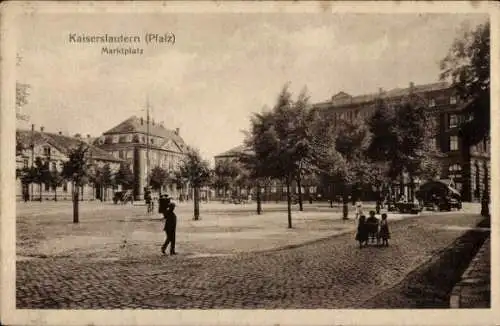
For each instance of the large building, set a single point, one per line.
(440, 99)
(137, 142)
(54, 148)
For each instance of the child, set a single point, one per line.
(384, 230)
(359, 209)
(372, 225)
(362, 234)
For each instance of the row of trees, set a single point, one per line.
(293, 141)
(41, 173)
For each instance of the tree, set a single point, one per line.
(197, 172)
(467, 65)
(106, 178)
(400, 143)
(254, 174)
(225, 174)
(158, 178)
(41, 174)
(76, 169)
(124, 176)
(281, 140)
(56, 180)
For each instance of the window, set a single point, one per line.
(453, 143)
(25, 162)
(453, 100)
(46, 151)
(273, 190)
(65, 187)
(432, 103)
(452, 120)
(115, 139)
(284, 190)
(54, 166)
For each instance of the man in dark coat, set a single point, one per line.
(169, 228)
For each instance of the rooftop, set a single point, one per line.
(343, 98)
(61, 142)
(236, 151)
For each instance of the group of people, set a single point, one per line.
(372, 228)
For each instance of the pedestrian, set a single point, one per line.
(169, 228)
(359, 209)
(384, 230)
(372, 225)
(362, 233)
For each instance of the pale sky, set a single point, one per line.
(222, 67)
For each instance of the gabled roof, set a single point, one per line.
(138, 125)
(61, 143)
(234, 152)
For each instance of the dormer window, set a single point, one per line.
(432, 103)
(115, 139)
(453, 100)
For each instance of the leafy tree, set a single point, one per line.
(467, 65)
(197, 172)
(76, 169)
(225, 174)
(414, 128)
(158, 178)
(124, 176)
(106, 178)
(401, 143)
(41, 174)
(56, 180)
(255, 174)
(281, 140)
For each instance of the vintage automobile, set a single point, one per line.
(439, 196)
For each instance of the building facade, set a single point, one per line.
(467, 173)
(54, 149)
(145, 145)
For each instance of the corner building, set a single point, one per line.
(131, 141)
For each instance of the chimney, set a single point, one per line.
(142, 121)
(412, 86)
(88, 136)
(161, 124)
(41, 129)
(153, 122)
(32, 127)
(60, 132)
(177, 131)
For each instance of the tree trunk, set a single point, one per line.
(55, 193)
(75, 204)
(196, 203)
(345, 204)
(379, 199)
(332, 195)
(259, 202)
(299, 185)
(485, 201)
(40, 187)
(289, 203)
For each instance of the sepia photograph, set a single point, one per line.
(248, 160)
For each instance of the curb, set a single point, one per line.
(456, 293)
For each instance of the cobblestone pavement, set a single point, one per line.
(333, 273)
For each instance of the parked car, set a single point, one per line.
(439, 195)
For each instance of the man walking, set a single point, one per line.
(169, 228)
